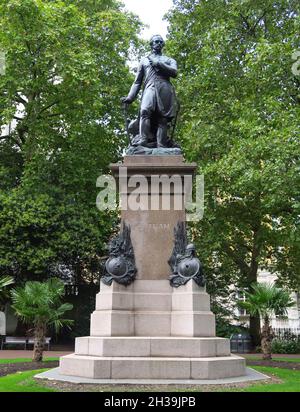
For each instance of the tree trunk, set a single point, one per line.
(252, 279)
(255, 330)
(39, 341)
(266, 340)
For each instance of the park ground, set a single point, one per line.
(17, 373)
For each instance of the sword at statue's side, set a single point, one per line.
(176, 119)
(125, 110)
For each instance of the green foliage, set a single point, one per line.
(23, 382)
(286, 346)
(290, 381)
(240, 122)
(65, 73)
(83, 305)
(266, 300)
(287, 343)
(39, 233)
(224, 329)
(223, 309)
(41, 303)
(23, 360)
(4, 282)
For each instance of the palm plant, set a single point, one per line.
(266, 300)
(40, 304)
(4, 282)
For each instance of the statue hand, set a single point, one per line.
(154, 61)
(126, 100)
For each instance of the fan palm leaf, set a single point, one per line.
(40, 304)
(266, 300)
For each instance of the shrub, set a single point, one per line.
(288, 343)
(224, 329)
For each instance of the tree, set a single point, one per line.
(65, 73)
(266, 300)
(65, 70)
(240, 123)
(40, 304)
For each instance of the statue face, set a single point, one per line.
(157, 43)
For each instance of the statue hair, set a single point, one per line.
(156, 35)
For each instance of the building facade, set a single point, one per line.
(291, 323)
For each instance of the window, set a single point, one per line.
(240, 296)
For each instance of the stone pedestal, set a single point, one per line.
(149, 330)
(2, 324)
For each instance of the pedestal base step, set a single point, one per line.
(152, 368)
(152, 347)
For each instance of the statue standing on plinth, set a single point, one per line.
(159, 106)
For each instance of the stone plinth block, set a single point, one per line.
(2, 324)
(152, 323)
(191, 301)
(152, 286)
(112, 323)
(190, 297)
(85, 366)
(153, 346)
(217, 368)
(152, 367)
(141, 295)
(150, 330)
(82, 345)
(152, 302)
(114, 297)
(114, 301)
(152, 236)
(163, 206)
(193, 324)
(142, 309)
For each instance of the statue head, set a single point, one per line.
(157, 43)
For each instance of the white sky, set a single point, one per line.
(151, 12)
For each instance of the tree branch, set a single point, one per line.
(25, 28)
(8, 136)
(53, 114)
(19, 99)
(242, 265)
(48, 107)
(250, 28)
(260, 19)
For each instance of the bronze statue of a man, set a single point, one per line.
(158, 105)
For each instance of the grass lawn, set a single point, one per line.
(24, 382)
(290, 378)
(275, 359)
(22, 360)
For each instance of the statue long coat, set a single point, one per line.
(159, 94)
